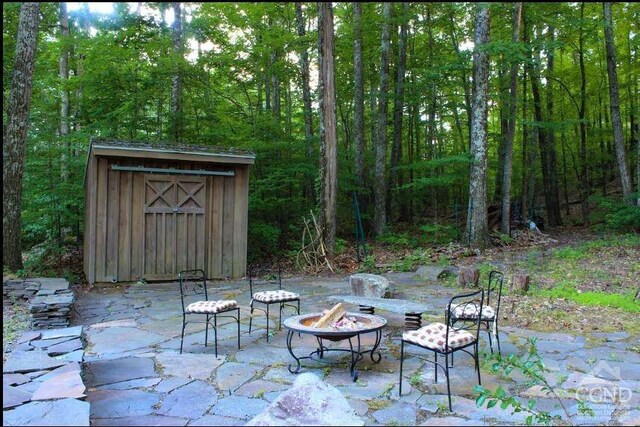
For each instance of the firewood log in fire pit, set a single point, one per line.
(331, 317)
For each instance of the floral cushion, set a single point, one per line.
(275, 296)
(211, 307)
(433, 336)
(470, 311)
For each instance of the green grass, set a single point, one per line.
(624, 302)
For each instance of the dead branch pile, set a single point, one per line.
(312, 257)
(523, 238)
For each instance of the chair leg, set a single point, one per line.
(446, 370)
(280, 318)
(215, 333)
(489, 335)
(268, 322)
(238, 321)
(435, 354)
(206, 331)
(182, 336)
(251, 316)
(401, 361)
(477, 363)
(498, 339)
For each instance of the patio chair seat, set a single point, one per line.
(210, 306)
(275, 296)
(470, 311)
(434, 336)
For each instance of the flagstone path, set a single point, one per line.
(135, 375)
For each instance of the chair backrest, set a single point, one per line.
(193, 286)
(494, 289)
(265, 276)
(473, 301)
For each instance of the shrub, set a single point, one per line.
(617, 215)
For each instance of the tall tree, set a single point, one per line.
(477, 232)
(614, 93)
(379, 187)
(14, 147)
(511, 129)
(358, 69)
(306, 97)
(328, 126)
(176, 82)
(398, 106)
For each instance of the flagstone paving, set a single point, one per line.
(135, 374)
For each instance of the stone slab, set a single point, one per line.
(399, 414)
(239, 407)
(113, 371)
(215, 420)
(12, 397)
(68, 384)
(142, 420)
(122, 403)
(14, 379)
(74, 331)
(65, 347)
(30, 361)
(389, 304)
(64, 412)
(74, 356)
(127, 385)
(194, 366)
(231, 375)
(120, 339)
(43, 344)
(69, 367)
(170, 384)
(190, 401)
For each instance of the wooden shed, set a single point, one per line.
(153, 210)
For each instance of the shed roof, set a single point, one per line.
(171, 151)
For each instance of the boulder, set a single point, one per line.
(433, 273)
(309, 402)
(369, 285)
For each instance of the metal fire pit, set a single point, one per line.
(302, 325)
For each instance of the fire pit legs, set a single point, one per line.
(289, 336)
(375, 346)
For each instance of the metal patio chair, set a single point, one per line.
(490, 311)
(446, 339)
(193, 286)
(274, 295)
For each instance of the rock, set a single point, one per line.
(310, 401)
(432, 273)
(65, 412)
(12, 397)
(468, 277)
(68, 384)
(114, 371)
(369, 285)
(29, 361)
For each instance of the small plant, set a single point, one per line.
(260, 393)
(415, 379)
(442, 406)
(532, 366)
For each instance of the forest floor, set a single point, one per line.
(580, 281)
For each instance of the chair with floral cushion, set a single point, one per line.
(193, 287)
(446, 339)
(490, 311)
(274, 295)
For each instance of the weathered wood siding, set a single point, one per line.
(151, 226)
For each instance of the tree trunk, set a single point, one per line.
(14, 147)
(468, 277)
(520, 283)
(553, 208)
(379, 188)
(398, 107)
(309, 188)
(614, 93)
(328, 127)
(511, 130)
(477, 233)
(176, 81)
(585, 185)
(359, 94)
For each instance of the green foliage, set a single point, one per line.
(616, 215)
(263, 239)
(341, 246)
(397, 241)
(411, 262)
(566, 290)
(531, 366)
(437, 234)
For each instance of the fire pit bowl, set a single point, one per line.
(302, 325)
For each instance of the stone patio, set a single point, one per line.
(135, 375)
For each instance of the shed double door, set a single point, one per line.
(174, 225)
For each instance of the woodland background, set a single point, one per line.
(245, 75)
